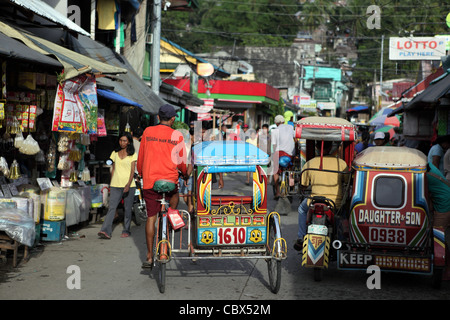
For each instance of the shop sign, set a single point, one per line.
(416, 48)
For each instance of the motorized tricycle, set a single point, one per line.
(390, 221)
(226, 225)
(385, 219)
(325, 222)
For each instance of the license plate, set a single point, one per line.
(387, 235)
(318, 229)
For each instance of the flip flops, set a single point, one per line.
(147, 265)
(103, 235)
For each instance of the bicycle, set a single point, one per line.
(163, 250)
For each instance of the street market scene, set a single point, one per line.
(193, 150)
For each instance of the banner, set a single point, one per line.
(76, 106)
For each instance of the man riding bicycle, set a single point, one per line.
(162, 155)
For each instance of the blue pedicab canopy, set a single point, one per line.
(228, 153)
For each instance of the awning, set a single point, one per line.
(74, 63)
(112, 96)
(13, 49)
(358, 109)
(44, 10)
(128, 85)
(436, 90)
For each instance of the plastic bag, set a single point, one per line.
(29, 146)
(175, 218)
(18, 140)
(4, 167)
(17, 225)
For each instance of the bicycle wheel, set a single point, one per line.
(273, 265)
(162, 252)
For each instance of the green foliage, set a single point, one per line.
(233, 22)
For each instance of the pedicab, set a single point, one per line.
(324, 221)
(225, 226)
(390, 223)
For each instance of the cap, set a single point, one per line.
(279, 119)
(245, 126)
(167, 111)
(379, 135)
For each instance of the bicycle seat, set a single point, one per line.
(164, 186)
(284, 161)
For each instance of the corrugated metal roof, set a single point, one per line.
(44, 10)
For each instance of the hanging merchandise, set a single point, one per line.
(4, 167)
(18, 140)
(75, 108)
(64, 162)
(86, 175)
(63, 143)
(14, 172)
(73, 176)
(75, 154)
(29, 146)
(101, 125)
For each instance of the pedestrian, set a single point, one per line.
(283, 141)
(161, 156)
(264, 139)
(437, 152)
(137, 134)
(447, 164)
(243, 135)
(364, 144)
(380, 139)
(252, 139)
(122, 185)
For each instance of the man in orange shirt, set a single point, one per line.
(162, 154)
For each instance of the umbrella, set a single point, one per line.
(382, 112)
(384, 120)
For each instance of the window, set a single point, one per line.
(389, 192)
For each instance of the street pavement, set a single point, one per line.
(111, 270)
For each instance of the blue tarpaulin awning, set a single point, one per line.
(358, 109)
(116, 98)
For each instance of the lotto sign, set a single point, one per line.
(416, 48)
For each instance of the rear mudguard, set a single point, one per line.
(316, 249)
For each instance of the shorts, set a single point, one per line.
(183, 189)
(276, 156)
(151, 198)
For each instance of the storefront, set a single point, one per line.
(52, 114)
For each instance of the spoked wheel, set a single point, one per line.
(163, 253)
(273, 264)
(162, 277)
(139, 214)
(284, 185)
